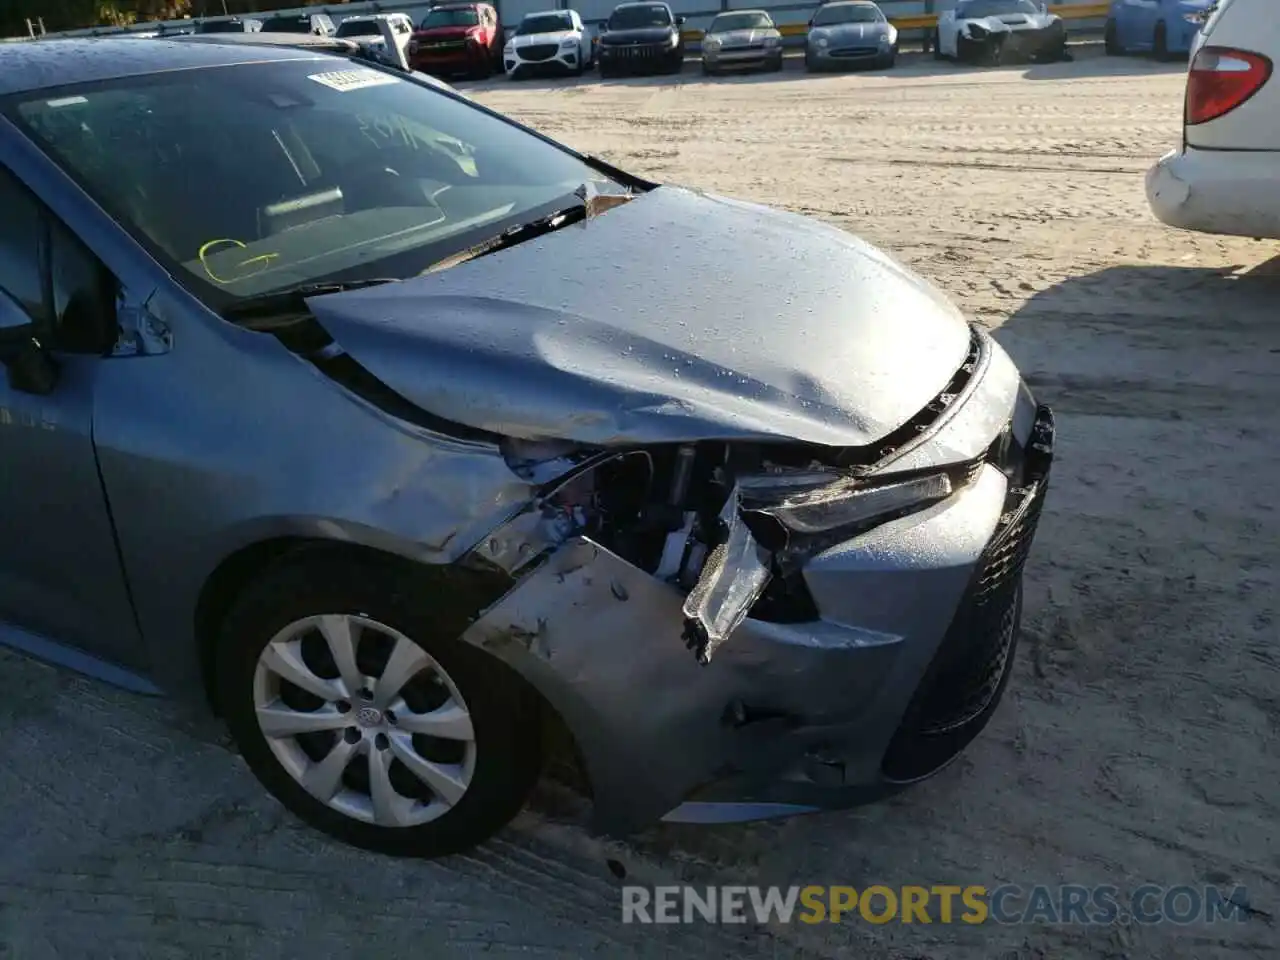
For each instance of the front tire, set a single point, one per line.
(937, 45)
(1160, 44)
(1111, 40)
(353, 701)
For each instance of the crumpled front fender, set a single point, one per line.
(552, 628)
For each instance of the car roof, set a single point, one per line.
(43, 64)
(314, 43)
(643, 3)
(545, 13)
(744, 10)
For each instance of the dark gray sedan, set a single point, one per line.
(850, 33)
(387, 429)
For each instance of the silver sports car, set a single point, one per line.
(417, 445)
(741, 38)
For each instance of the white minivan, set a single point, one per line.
(1225, 178)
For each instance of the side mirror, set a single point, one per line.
(679, 21)
(30, 367)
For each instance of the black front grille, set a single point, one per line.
(971, 667)
(538, 51)
(638, 51)
(855, 52)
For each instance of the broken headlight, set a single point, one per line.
(799, 514)
(772, 523)
(814, 505)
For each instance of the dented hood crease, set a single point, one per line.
(678, 316)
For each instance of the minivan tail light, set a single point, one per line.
(1221, 79)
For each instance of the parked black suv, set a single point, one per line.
(234, 25)
(641, 36)
(317, 23)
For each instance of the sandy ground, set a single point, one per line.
(1138, 741)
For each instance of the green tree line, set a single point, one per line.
(75, 14)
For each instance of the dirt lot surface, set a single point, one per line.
(1138, 742)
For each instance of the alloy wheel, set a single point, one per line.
(364, 720)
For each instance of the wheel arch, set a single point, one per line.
(236, 571)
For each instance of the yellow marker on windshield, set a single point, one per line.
(261, 260)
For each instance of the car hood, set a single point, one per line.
(743, 38)
(677, 316)
(642, 35)
(532, 39)
(853, 31)
(1012, 21)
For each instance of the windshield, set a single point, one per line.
(994, 8)
(258, 177)
(287, 25)
(359, 28)
(749, 20)
(543, 23)
(637, 18)
(847, 13)
(465, 17)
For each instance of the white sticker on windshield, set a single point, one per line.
(344, 80)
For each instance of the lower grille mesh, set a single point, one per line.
(967, 676)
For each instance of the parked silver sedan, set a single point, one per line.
(741, 39)
(377, 423)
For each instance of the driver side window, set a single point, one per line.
(45, 267)
(20, 247)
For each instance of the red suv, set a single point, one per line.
(457, 38)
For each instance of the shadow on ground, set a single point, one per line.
(1126, 337)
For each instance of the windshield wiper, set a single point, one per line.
(590, 203)
(291, 301)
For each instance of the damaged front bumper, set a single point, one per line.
(901, 663)
(1008, 46)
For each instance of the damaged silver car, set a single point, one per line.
(385, 427)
